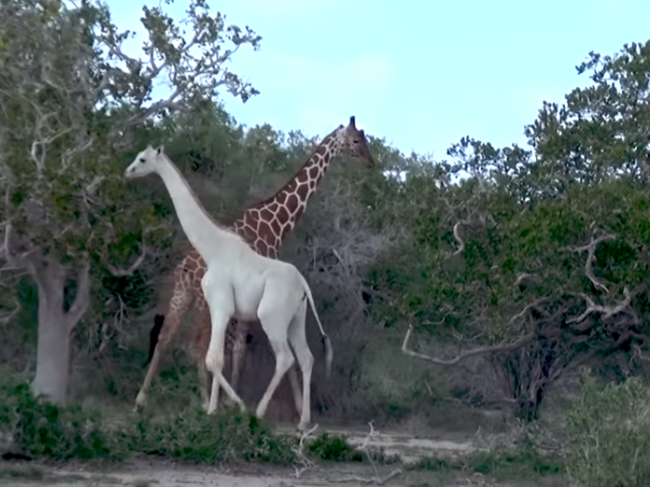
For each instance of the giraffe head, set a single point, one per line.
(352, 142)
(145, 163)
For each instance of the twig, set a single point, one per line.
(304, 463)
(375, 479)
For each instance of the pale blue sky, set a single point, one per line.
(422, 74)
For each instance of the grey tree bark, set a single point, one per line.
(55, 325)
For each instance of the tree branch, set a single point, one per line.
(82, 297)
(12, 314)
(607, 311)
(591, 257)
(117, 272)
(503, 347)
(458, 238)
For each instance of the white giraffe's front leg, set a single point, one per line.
(219, 298)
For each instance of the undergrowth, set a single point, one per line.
(516, 462)
(41, 430)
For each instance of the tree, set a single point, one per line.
(73, 103)
(544, 252)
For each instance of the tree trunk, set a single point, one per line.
(55, 325)
(528, 370)
(53, 351)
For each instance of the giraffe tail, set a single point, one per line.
(327, 344)
(158, 322)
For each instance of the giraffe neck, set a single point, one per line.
(205, 235)
(283, 210)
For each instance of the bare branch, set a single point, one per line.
(522, 276)
(503, 347)
(12, 314)
(376, 479)
(607, 311)
(461, 242)
(117, 272)
(304, 463)
(591, 256)
(639, 354)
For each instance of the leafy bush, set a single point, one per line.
(515, 461)
(609, 435)
(41, 429)
(334, 448)
(225, 437)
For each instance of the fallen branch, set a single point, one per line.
(504, 347)
(304, 463)
(375, 479)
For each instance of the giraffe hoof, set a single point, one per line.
(140, 399)
(302, 427)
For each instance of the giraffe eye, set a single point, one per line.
(142, 159)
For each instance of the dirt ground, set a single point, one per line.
(164, 473)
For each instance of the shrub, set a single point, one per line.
(41, 429)
(609, 435)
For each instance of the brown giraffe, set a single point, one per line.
(264, 226)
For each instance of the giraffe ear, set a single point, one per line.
(352, 122)
(160, 149)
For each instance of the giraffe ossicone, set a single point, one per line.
(242, 284)
(264, 225)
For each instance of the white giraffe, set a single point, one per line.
(240, 283)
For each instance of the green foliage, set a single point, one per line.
(227, 437)
(44, 430)
(41, 429)
(609, 435)
(549, 242)
(334, 448)
(514, 462)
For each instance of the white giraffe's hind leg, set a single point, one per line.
(274, 314)
(298, 341)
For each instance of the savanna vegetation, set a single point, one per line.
(488, 280)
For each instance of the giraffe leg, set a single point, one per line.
(238, 350)
(179, 304)
(273, 316)
(200, 346)
(298, 341)
(220, 301)
(214, 363)
(295, 386)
